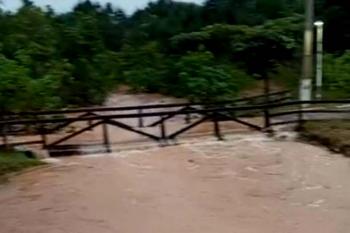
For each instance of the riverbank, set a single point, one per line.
(334, 134)
(12, 161)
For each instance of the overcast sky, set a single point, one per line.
(65, 5)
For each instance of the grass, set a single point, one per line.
(334, 134)
(11, 161)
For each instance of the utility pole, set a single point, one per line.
(305, 91)
(319, 66)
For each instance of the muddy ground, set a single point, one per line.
(246, 184)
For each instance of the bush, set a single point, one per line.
(15, 161)
(14, 85)
(287, 76)
(337, 76)
(144, 68)
(200, 79)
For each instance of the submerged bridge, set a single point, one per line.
(55, 130)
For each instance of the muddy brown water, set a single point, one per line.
(246, 184)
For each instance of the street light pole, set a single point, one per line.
(305, 91)
(319, 66)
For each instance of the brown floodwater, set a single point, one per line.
(246, 184)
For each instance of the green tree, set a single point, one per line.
(248, 12)
(144, 68)
(258, 49)
(200, 52)
(337, 76)
(163, 19)
(14, 85)
(200, 79)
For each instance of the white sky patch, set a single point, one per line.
(65, 5)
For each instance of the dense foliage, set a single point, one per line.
(337, 75)
(207, 52)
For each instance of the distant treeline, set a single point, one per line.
(200, 52)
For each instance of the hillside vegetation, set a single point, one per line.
(199, 52)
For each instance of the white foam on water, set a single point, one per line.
(314, 187)
(252, 169)
(198, 145)
(317, 203)
(51, 160)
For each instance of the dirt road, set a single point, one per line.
(247, 184)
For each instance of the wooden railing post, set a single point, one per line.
(2, 130)
(217, 130)
(300, 116)
(267, 118)
(43, 136)
(188, 116)
(90, 122)
(163, 131)
(4, 136)
(141, 123)
(106, 138)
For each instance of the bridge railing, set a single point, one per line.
(273, 97)
(273, 113)
(17, 129)
(302, 111)
(209, 110)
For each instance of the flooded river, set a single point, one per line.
(246, 184)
